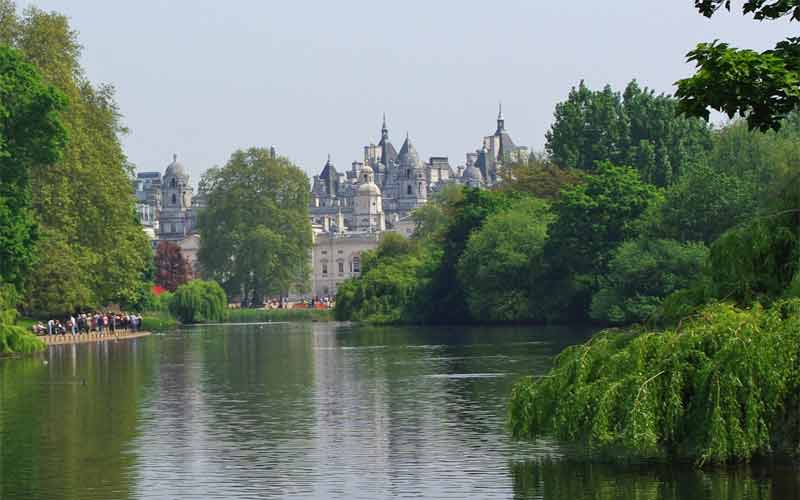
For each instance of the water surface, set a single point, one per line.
(312, 411)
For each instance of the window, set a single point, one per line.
(408, 173)
(172, 183)
(324, 268)
(356, 264)
(324, 252)
(408, 189)
(174, 199)
(341, 267)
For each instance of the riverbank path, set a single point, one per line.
(90, 337)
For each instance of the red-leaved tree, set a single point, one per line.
(172, 269)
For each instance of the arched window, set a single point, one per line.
(408, 173)
(172, 184)
(409, 189)
(174, 199)
(356, 264)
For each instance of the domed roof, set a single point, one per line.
(473, 172)
(175, 168)
(369, 188)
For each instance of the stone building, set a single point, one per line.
(405, 182)
(496, 149)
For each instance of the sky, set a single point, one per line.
(203, 78)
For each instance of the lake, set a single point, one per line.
(313, 411)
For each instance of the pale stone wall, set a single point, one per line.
(336, 258)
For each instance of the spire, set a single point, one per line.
(384, 131)
(501, 123)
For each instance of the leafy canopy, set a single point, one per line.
(255, 232)
(763, 86)
(31, 135)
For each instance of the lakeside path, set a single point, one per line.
(90, 337)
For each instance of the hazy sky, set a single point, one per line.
(205, 77)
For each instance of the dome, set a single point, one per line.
(175, 168)
(370, 189)
(473, 172)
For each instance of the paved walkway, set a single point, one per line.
(90, 337)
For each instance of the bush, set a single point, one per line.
(14, 339)
(722, 388)
(199, 301)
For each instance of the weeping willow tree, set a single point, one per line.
(199, 301)
(722, 387)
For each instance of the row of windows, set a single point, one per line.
(355, 266)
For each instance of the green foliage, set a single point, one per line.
(14, 339)
(595, 216)
(199, 301)
(719, 388)
(499, 263)
(756, 261)
(636, 128)
(31, 134)
(388, 290)
(256, 234)
(538, 177)
(763, 86)
(440, 301)
(704, 204)
(81, 199)
(154, 321)
(641, 274)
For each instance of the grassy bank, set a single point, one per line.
(721, 387)
(290, 315)
(158, 320)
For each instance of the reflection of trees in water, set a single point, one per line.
(63, 422)
(567, 480)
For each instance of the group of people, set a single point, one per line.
(101, 323)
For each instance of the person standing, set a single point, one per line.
(73, 325)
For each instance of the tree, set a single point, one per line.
(763, 86)
(83, 199)
(636, 128)
(199, 301)
(172, 269)
(31, 134)
(539, 177)
(597, 215)
(255, 232)
(444, 301)
(501, 260)
(641, 274)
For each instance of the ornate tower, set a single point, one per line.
(176, 200)
(368, 209)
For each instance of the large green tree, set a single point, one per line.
(31, 135)
(636, 128)
(83, 202)
(501, 260)
(597, 215)
(255, 232)
(763, 86)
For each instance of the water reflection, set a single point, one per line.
(307, 411)
(565, 479)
